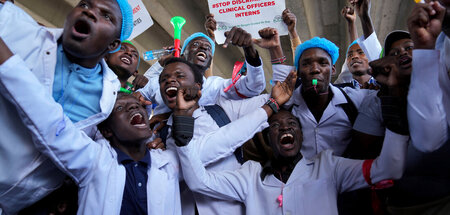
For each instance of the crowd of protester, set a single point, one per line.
(79, 138)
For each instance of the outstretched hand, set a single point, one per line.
(425, 24)
(282, 91)
(187, 100)
(269, 38)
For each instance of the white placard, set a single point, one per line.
(141, 18)
(251, 15)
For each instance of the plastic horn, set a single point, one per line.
(177, 22)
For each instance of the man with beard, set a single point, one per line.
(69, 63)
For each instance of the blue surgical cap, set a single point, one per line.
(196, 35)
(317, 42)
(353, 43)
(127, 19)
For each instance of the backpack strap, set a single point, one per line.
(218, 114)
(163, 133)
(221, 118)
(349, 108)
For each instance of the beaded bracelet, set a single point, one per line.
(279, 60)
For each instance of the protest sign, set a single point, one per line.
(251, 15)
(141, 18)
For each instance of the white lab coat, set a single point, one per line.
(429, 96)
(334, 129)
(312, 187)
(251, 119)
(94, 166)
(26, 175)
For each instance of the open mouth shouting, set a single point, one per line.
(171, 93)
(201, 56)
(405, 61)
(137, 120)
(81, 29)
(126, 60)
(287, 141)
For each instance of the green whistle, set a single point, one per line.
(314, 82)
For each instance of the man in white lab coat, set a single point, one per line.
(290, 183)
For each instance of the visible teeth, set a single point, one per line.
(201, 53)
(287, 135)
(135, 115)
(171, 88)
(140, 125)
(126, 60)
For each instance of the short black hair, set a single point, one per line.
(103, 125)
(196, 69)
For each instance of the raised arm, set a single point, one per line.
(349, 174)
(350, 16)
(231, 185)
(362, 8)
(391, 162)
(53, 133)
(270, 40)
(226, 185)
(426, 114)
(291, 21)
(249, 85)
(248, 117)
(368, 41)
(210, 27)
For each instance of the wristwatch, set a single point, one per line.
(273, 104)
